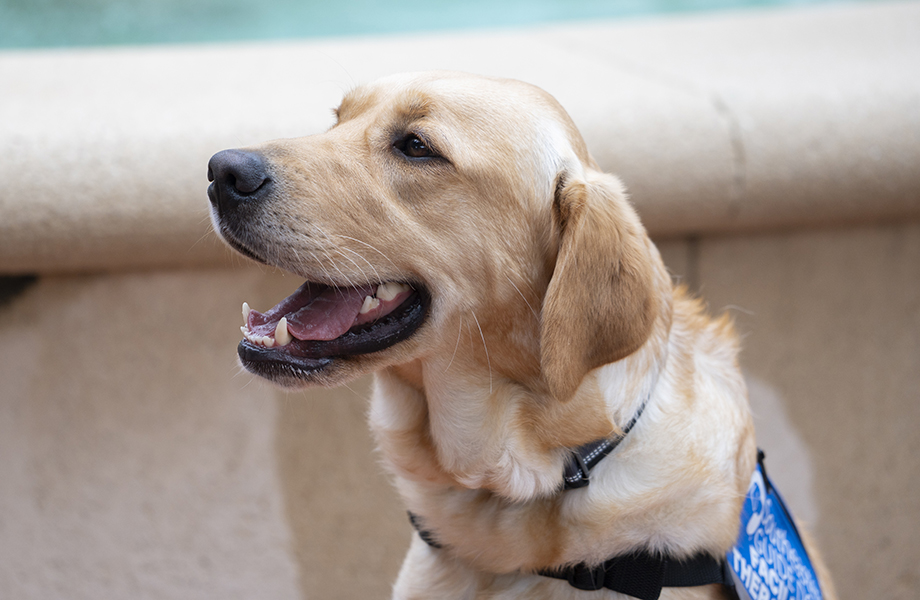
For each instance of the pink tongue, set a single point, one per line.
(314, 312)
(329, 315)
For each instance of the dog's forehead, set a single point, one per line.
(450, 94)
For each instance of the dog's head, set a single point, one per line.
(438, 203)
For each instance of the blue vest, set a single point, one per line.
(769, 562)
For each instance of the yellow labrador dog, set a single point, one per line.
(457, 239)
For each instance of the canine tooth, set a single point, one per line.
(282, 336)
(388, 291)
(246, 311)
(370, 303)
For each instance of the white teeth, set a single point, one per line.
(282, 336)
(370, 303)
(259, 340)
(388, 291)
(246, 311)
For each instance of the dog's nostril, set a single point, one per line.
(238, 176)
(246, 182)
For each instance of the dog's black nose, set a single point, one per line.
(237, 176)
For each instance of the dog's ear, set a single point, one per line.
(601, 302)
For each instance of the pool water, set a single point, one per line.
(56, 23)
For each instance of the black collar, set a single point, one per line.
(584, 458)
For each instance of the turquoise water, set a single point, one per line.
(56, 23)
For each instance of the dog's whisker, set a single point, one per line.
(486, 348)
(372, 247)
(207, 234)
(345, 278)
(357, 266)
(457, 345)
(369, 264)
(377, 278)
(532, 311)
(321, 266)
(321, 231)
(529, 286)
(349, 281)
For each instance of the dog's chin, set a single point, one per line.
(361, 349)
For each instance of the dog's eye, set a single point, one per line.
(414, 147)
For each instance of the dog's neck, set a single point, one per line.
(482, 429)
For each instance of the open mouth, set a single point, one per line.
(318, 323)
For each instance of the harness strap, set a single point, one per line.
(642, 575)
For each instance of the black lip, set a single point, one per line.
(275, 365)
(303, 359)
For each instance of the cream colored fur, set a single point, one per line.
(552, 320)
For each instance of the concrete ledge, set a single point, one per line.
(733, 122)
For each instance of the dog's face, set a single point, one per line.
(436, 202)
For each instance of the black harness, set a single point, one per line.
(639, 574)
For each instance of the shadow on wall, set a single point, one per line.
(350, 531)
(788, 461)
